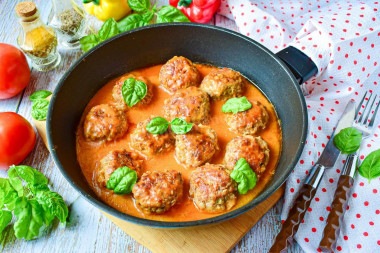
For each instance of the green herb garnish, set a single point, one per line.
(244, 176)
(40, 104)
(108, 30)
(133, 91)
(144, 14)
(236, 105)
(370, 167)
(348, 140)
(180, 126)
(33, 205)
(41, 94)
(122, 180)
(157, 125)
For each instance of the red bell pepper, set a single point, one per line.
(198, 11)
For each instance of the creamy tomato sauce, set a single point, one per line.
(90, 153)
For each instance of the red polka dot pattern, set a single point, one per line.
(343, 39)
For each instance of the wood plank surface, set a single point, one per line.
(88, 230)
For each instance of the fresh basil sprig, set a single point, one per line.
(40, 104)
(108, 30)
(370, 167)
(244, 176)
(236, 105)
(33, 205)
(144, 15)
(170, 14)
(133, 91)
(122, 180)
(180, 126)
(348, 140)
(157, 125)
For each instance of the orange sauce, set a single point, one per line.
(90, 153)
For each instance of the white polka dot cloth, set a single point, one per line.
(343, 39)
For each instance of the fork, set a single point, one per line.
(363, 124)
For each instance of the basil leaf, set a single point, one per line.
(8, 195)
(157, 125)
(148, 16)
(108, 29)
(370, 167)
(169, 14)
(5, 219)
(244, 176)
(15, 181)
(41, 94)
(180, 126)
(236, 105)
(89, 41)
(53, 205)
(133, 91)
(139, 5)
(132, 21)
(39, 109)
(348, 140)
(30, 175)
(122, 180)
(29, 221)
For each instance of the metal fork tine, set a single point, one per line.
(365, 109)
(365, 122)
(373, 119)
(360, 106)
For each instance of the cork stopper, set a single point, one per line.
(26, 9)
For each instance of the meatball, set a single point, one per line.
(104, 122)
(223, 84)
(150, 144)
(116, 159)
(196, 147)
(157, 192)
(190, 104)
(212, 189)
(179, 73)
(253, 149)
(250, 121)
(118, 96)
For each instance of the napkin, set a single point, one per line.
(343, 40)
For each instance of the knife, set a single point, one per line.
(327, 160)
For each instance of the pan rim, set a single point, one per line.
(169, 224)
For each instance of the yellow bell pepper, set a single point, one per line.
(106, 9)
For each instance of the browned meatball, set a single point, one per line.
(223, 84)
(250, 121)
(197, 146)
(148, 143)
(212, 189)
(157, 192)
(116, 159)
(190, 104)
(253, 149)
(118, 97)
(179, 73)
(104, 122)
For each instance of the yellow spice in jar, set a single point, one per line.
(40, 42)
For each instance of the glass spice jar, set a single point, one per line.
(36, 39)
(69, 21)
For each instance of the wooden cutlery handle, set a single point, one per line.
(335, 217)
(290, 226)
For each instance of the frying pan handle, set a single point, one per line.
(299, 63)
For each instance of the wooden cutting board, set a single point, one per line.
(221, 237)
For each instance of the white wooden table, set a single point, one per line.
(89, 230)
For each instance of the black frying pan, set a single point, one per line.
(155, 45)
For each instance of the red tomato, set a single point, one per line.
(17, 139)
(14, 71)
